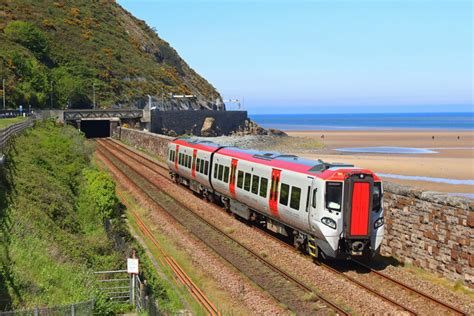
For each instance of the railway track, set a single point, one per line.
(286, 289)
(179, 273)
(417, 297)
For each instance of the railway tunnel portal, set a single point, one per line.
(102, 123)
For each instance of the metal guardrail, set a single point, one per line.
(75, 309)
(12, 113)
(8, 132)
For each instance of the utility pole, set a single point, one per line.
(4, 92)
(51, 94)
(93, 94)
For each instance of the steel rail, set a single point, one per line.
(413, 290)
(284, 274)
(179, 273)
(382, 275)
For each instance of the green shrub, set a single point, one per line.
(30, 36)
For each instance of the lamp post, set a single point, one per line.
(93, 94)
(4, 92)
(51, 93)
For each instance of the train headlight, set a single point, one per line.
(379, 222)
(328, 222)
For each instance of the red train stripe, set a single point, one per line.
(176, 157)
(233, 170)
(273, 199)
(360, 209)
(194, 163)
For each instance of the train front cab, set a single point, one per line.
(350, 221)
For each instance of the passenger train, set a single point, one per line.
(328, 210)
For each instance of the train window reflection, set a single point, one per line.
(221, 172)
(284, 193)
(240, 179)
(263, 187)
(247, 182)
(334, 195)
(255, 180)
(295, 198)
(377, 196)
(226, 174)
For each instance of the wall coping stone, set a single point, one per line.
(429, 196)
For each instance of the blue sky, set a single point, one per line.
(325, 56)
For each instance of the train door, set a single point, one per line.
(233, 170)
(312, 201)
(193, 165)
(274, 192)
(176, 157)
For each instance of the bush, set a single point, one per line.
(30, 36)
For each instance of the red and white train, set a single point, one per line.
(330, 210)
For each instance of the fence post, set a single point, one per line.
(36, 311)
(73, 310)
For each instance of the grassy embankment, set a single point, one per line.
(53, 208)
(5, 122)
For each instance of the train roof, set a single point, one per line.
(318, 167)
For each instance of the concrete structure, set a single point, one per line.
(430, 230)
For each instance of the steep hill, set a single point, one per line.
(80, 44)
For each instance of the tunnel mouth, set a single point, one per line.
(95, 128)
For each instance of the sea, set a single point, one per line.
(365, 121)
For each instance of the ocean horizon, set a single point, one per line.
(364, 121)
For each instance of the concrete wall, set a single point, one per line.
(430, 230)
(190, 122)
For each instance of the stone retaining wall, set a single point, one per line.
(150, 142)
(430, 230)
(191, 122)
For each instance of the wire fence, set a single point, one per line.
(7, 133)
(75, 309)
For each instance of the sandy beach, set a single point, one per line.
(454, 157)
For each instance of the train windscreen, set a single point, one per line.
(334, 195)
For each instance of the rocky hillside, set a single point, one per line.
(80, 44)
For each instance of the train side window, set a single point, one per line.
(202, 166)
(377, 196)
(240, 179)
(172, 155)
(255, 180)
(198, 165)
(314, 197)
(206, 168)
(169, 155)
(295, 198)
(263, 187)
(284, 193)
(247, 181)
(188, 161)
(221, 172)
(226, 174)
(180, 158)
(216, 169)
